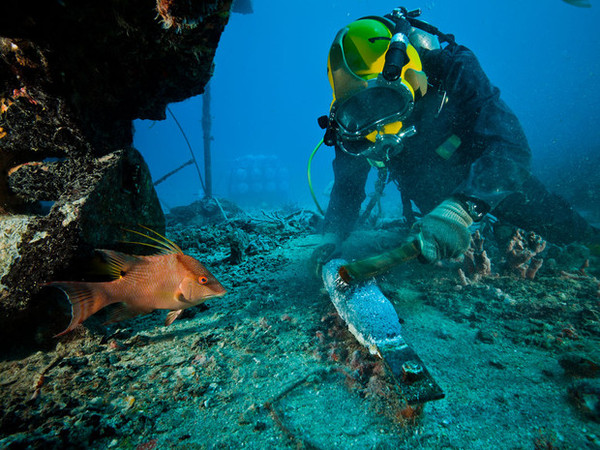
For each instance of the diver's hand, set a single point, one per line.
(330, 248)
(443, 233)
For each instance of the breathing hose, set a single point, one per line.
(312, 192)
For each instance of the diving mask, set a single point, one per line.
(374, 72)
(378, 147)
(380, 103)
(369, 123)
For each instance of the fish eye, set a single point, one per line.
(203, 280)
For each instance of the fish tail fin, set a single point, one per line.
(86, 299)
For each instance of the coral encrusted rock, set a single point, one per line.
(73, 76)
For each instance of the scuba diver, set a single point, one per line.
(411, 102)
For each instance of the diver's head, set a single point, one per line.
(376, 74)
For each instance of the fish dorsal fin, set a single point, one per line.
(165, 245)
(117, 263)
(172, 316)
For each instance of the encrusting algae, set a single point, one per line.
(168, 279)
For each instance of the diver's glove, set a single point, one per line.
(443, 233)
(330, 248)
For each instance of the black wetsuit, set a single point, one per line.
(491, 162)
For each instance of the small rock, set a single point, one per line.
(443, 334)
(113, 344)
(177, 360)
(185, 373)
(96, 403)
(586, 396)
(139, 340)
(77, 361)
(124, 403)
(577, 365)
(497, 364)
(486, 336)
(260, 426)
(122, 333)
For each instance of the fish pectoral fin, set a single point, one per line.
(172, 316)
(180, 293)
(181, 298)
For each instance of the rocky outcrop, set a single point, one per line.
(93, 201)
(73, 75)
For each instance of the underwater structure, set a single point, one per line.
(73, 76)
(257, 179)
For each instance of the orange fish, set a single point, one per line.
(166, 280)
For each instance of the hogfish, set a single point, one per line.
(168, 279)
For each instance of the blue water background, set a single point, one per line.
(270, 85)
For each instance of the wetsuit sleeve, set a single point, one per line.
(499, 152)
(348, 193)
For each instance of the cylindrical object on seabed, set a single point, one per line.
(375, 265)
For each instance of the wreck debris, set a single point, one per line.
(288, 222)
(173, 172)
(581, 273)
(298, 438)
(195, 161)
(207, 138)
(238, 246)
(371, 318)
(41, 377)
(207, 211)
(521, 255)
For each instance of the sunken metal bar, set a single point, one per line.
(372, 319)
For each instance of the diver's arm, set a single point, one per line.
(501, 154)
(348, 193)
(350, 176)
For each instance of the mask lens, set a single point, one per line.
(383, 148)
(355, 146)
(371, 108)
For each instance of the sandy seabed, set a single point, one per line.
(271, 365)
